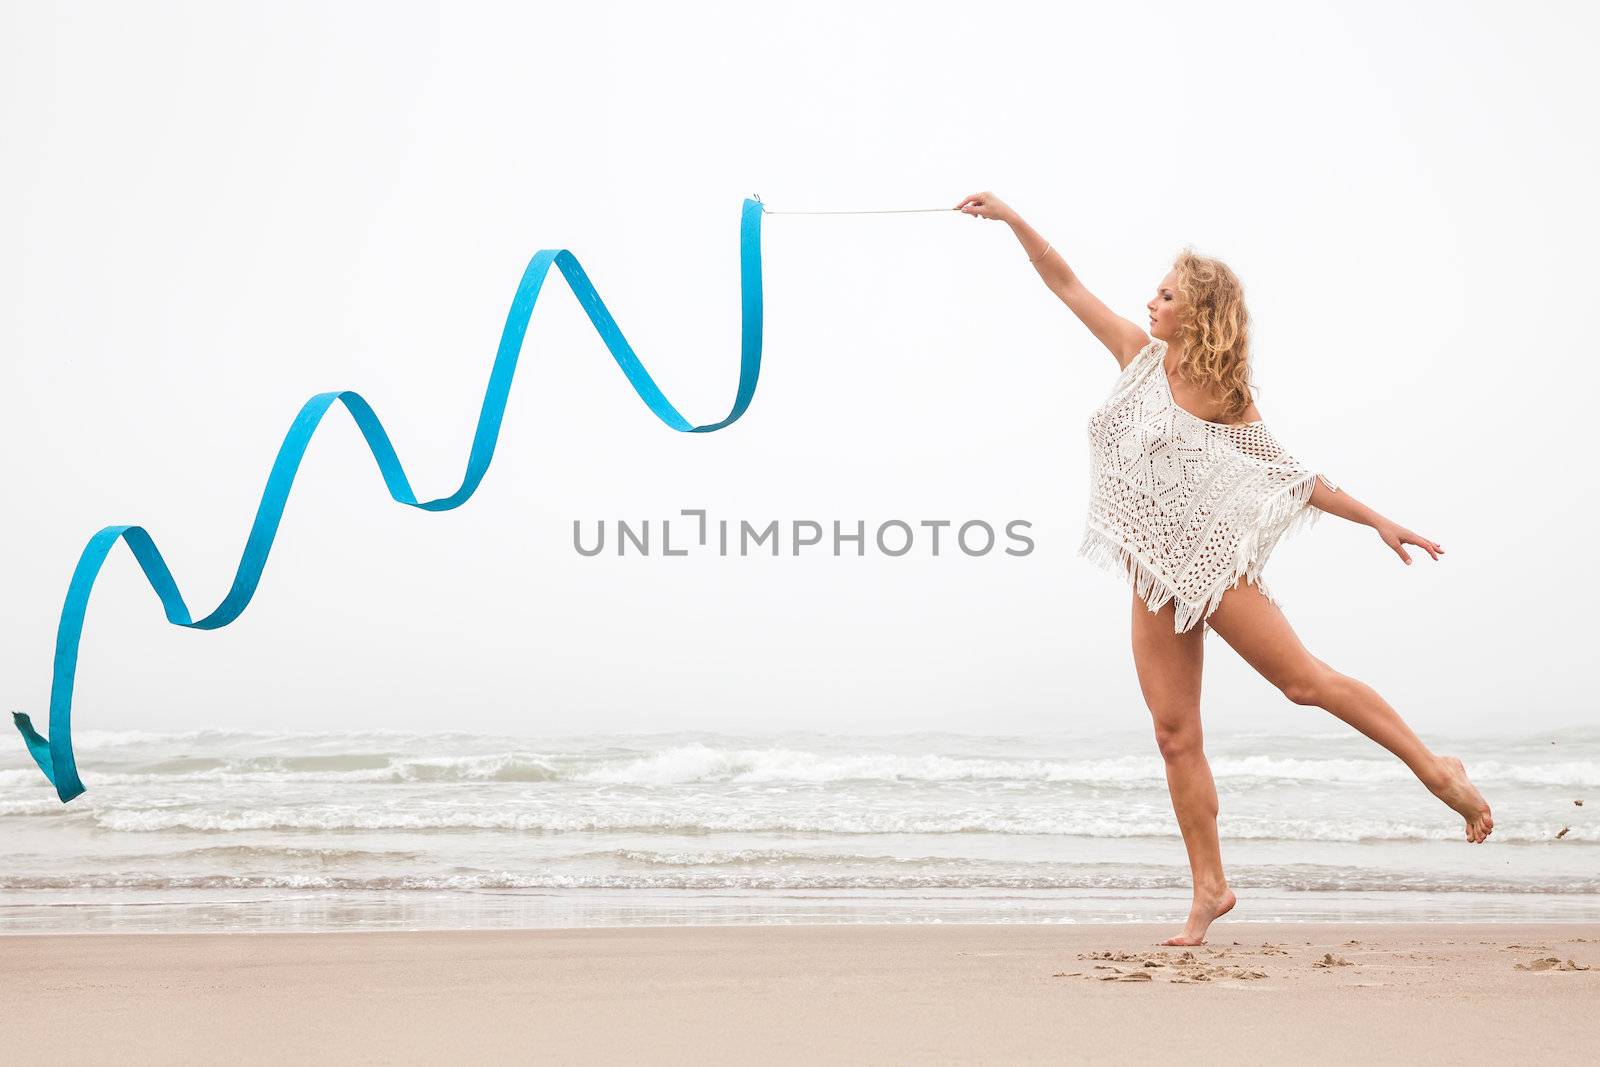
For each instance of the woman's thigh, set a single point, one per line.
(1255, 628)
(1169, 667)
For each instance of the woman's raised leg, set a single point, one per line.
(1169, 669)
(1258, 631)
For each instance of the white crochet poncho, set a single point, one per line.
(1183, 507)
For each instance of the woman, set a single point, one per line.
(1190, 493)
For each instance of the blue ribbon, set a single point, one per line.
(54, 754)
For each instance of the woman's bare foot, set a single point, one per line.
(1454, 788)
(1207, 908)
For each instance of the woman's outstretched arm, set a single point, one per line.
(1122, 337)
(1394, 535)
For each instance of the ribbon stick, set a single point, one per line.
(54, 754)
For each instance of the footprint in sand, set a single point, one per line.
(1211, 974)
(1551, 963)
(1117, 975)
(1184, 968)
(1120, 957)
(1330, 960)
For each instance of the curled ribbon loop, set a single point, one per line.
(54, 754)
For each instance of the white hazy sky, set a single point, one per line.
(214, 211)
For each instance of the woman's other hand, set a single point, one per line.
(1395, 535)
(987, 206)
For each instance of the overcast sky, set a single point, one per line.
(216, 210)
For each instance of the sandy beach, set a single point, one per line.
(878, 994)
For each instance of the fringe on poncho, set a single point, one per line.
(1182, 507)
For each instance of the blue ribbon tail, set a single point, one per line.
(38, 746)
(54, 754)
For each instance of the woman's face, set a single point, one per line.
(1163, 308)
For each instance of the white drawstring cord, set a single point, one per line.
(887, 211)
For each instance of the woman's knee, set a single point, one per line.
(1178, 737)
(1310, 688)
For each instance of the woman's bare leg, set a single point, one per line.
(1169, 669)
(1258, 631)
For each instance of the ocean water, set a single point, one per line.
(229, 830)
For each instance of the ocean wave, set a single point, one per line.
(355, 769)
(695, 764)
(746, 820)
(688, 764)
(1173, 879)
(245, 854)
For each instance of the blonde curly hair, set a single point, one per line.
(1215, 330)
